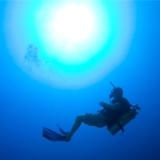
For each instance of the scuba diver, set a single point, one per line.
(114, 116)
(31, 55)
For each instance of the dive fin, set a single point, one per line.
(52, 135)
(62, 131)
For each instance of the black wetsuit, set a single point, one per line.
(120, 107)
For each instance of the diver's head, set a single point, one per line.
(117, 92)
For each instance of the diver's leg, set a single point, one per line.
(76, 125)
(89, 119)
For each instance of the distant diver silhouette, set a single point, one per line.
(114, 116)
(31, 55)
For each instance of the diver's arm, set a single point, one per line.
(107, 106)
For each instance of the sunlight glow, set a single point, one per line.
(69, 31)
(68, 43)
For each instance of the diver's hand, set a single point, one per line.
(102, 104)
(107, 106)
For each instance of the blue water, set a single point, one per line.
(26, 105)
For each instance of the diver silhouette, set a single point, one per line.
(114, 115)
(31, 55)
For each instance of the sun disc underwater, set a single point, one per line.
(72, 44)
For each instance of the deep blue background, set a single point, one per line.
(27, 105)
